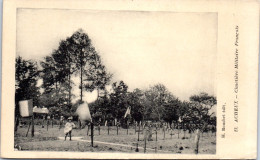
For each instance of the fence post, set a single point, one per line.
(43, 122)
(116, 129)
(156, 133)
(88, 129)
(107, 129)
(137, 150)
(164, 133)
(138, 132)
(32, 125)
(135, 127)
(28, 129)
(92, 133)
(47, 124)
(178, 130)
(156, 139)
(144, 141)
(99, 129)
(16, 123)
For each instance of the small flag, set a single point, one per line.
(26, 108)
(127, 112)
(83, 112)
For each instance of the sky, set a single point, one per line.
(178, 50)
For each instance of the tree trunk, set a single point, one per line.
(92, 133)
(69, 92)
(81, 83)
(145, 136)
(69, 101)
(197, 138)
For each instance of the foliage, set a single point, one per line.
(26, 76)
(172, 110)
(156, 98)
(135, 100)
(119, 100)
(97, 76)
(75, 55)
(198, 112)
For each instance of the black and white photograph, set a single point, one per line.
(105, 81)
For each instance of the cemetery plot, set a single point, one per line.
(53, 140)
(72, 92)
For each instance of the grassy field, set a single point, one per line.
(53, 140)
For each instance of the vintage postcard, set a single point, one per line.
(130, 79)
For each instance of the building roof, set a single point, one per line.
(40, 110)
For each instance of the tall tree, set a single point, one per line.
(135, 101)
(74, 55)
(83, 59)
(64, 57)
(82, 44)
(119, 101)
(157, 97)
(172, 110)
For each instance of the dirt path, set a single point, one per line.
(113, 144)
